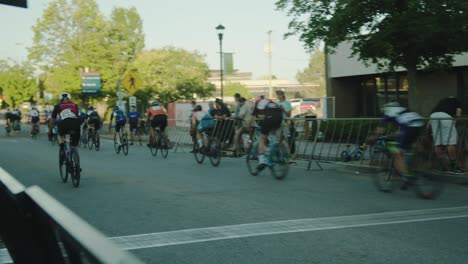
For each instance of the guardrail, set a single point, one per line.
(36, 228)
(325, 140)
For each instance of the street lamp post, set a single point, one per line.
(220, 29)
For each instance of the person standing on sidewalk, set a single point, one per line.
(134, 121)
(287, 125)
(444, 132)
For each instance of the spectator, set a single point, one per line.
(288, 125)
(444, 132)
(212, 111)
(243, 116)
(223, 128)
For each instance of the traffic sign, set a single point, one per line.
(91, 83)
(132, 101)
(131, 81)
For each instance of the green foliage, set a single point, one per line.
(414, 34)
(17, 82)
(73, 35)
(171, 74)
(232, 88)
(314, 73)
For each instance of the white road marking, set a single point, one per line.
(198, 235)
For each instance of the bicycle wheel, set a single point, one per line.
(214, 151)
(345, 156)
(75, 170)
(385, 180)
(279, 158)
(428, 184)
(116, 145)
(163, 146)
(251, 160)
(90, 140)
(358, 155)
(152, 146)
(199, 156)
(97, 141)
(124, 142)
(63, 166)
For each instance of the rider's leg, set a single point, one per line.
(261, 149)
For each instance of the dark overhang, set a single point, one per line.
(18, 3)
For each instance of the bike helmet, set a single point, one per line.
(116, 108)
(64, 96)
(197, 108)
(90, 107)
(154, 103)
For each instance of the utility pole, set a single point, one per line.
(269, 51)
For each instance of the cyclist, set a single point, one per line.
(16, 118)
(158, 116)
(120, 121)
(270, 118)
(202, 121)
(8, 118)
(34, 114)
(133, 120)
(409, 124)
(93, 121)
(67, 112)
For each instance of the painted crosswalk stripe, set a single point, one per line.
(198, 235)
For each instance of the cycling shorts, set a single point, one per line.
(159, 121)
(34, 119)
(272, 120)
(406, 137)
(70, 126)
(119, 125)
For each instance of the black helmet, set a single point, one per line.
(197, 108)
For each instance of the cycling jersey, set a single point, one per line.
(205, 120)
(34, 113)
(133, 117)
(156, 110)
(410, 125)
(65, 110)
(118, 115)
(402, 117)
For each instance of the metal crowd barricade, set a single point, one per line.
(36, 228)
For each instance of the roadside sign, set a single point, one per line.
(91, 83)
(132, 101)
(131, 81)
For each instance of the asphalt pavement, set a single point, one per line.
(177, 211)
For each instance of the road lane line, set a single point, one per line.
(198, 235)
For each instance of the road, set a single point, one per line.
(184, 212)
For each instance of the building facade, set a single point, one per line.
(361, 90)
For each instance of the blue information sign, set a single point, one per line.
(91, 83)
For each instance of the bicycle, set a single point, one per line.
(93, 139)
(212, 149)
(355, 154)
(158, 142)
(35, 130)
(83, 138)
(69, 163)
(426, 183)
(124, 143)
(276, 153)
(53, 140)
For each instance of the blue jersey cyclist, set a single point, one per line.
(409, 124)
(203, 121)
(134, 122)
(120, 121)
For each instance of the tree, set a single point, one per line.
(232, 88)
(414, 34)
(314, 73)
(171, 74)
(73, 35)
(17, 82)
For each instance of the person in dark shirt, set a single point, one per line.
(224, 126)
(444, 132)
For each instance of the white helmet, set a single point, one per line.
(62, 96)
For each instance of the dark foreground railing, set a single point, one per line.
(36, 228)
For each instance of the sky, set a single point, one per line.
(190, 25)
